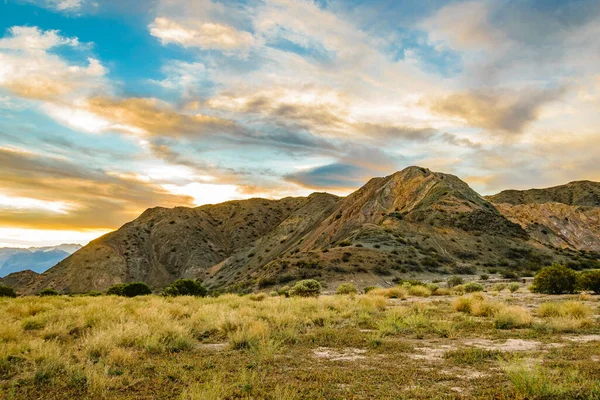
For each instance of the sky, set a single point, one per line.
(110, 107)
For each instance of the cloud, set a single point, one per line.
(90, 198)
(29, 69)
(334, 177)
(138, 116)
(506, 112)
(463, 25)
(204, 35)
(59, 5)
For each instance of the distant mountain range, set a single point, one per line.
(37, 259)
(412, 222)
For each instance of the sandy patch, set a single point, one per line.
(583, 338)
(431, 353)
(348, 354)
(211, 346)
(509, 345)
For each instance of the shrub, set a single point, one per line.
(93, 293)
(136, 289)
(556, 279)
(484, 277)
(589, 280)
(49, 292)
(510, 275)
(273, 294)
(368, 289)
(346, 288)
(306, 288)
(396, 292)
(498, 287)
(463, 304)
(419, 291)
(455, 281)
(512, 317)
(7, 291)
(257, 296)
(472, 287)
(185, 287)
(570, 309)
(116, 290)
(513, 287)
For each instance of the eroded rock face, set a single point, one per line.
(556, 224)
(566, 216)
(413, 220)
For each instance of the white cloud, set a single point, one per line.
(204, 35)
(29, 69)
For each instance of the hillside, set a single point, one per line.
(566, 217)
(412, 222)
(578, 193)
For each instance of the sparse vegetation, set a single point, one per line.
(272, 347)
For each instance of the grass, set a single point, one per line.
(258, 346)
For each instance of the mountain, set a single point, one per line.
(578, 193)
(566, 216)
(37, 259)
(412, 222)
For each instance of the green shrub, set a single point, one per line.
(555, 279)
(368, 289)
(471, 287)
(93, 293)
(7, 291)
(306, 288)
(589, 280)
(346, 288)
(455, 281)
(498, 287)
(185, 287)
(484, 277)
(116, 290)
(49, 292)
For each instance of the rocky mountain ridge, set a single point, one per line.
(413, 222)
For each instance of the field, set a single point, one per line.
(388, 344)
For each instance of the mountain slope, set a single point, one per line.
(566, 216)
(578, 193)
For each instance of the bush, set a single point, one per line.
(556, 279)
(257, 296)
(136, 289)
(484, 277)
(419, 291)
(306, 288)
(7, 291)
(368, 289)
(589, 280)
(93, 293)
(472, 287)
(185, 287)
(455, 281)
(116, 290)
(498, 287)
(513, 287)
(346, 288)
(49, 292)
(512, 317)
